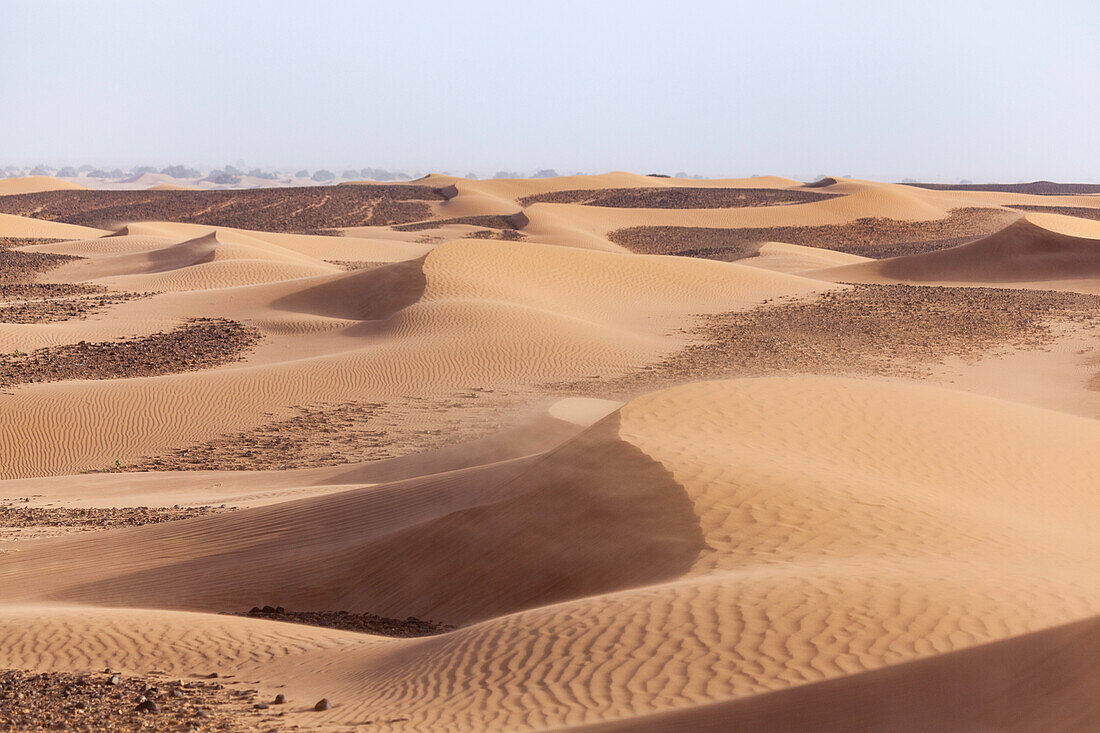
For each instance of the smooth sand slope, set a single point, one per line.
(36, 184)
(25, 227)
(1035, 682)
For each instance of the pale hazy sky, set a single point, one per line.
(925, 89)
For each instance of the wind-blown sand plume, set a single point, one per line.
(382, 416)
(1031, 250)
(35, 184)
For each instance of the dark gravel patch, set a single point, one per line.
(1082, 212)
(202, 343)
(7, 243)
(885, 330)
(867, 237)
(33, 701)
(48, 303)
(22, 300)
(513, 221)
(678, 197)
(19, 520)
(333, 435)
(264, 209)
(508, 235)
(18, 266)
(365, 623)
(358, 264)
(1042, 188)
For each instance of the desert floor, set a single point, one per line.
(614, 452)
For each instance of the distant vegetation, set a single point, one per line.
(226, 176)
(180, 171)
(223, 178)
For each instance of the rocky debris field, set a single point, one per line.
(366, 623)
(201, 343)
(869, 237)
(1040, 188)
(350, 265)
(678, 197)
(503, 223)
(307, 208)
(1081, 212)
(108, 701)
(24, 301)
(18, 266)
(48, 303)
(885, 330)
(352, 432)
(20, 520)
(508, 235)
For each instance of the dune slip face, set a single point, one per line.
(609, 452)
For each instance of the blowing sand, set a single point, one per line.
(592, 452)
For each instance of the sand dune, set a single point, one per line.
(1035, 682)
(35, 184)
(1036, 249)
(21, 226)
(429, 419)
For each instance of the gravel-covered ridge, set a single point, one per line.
(202, 343)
